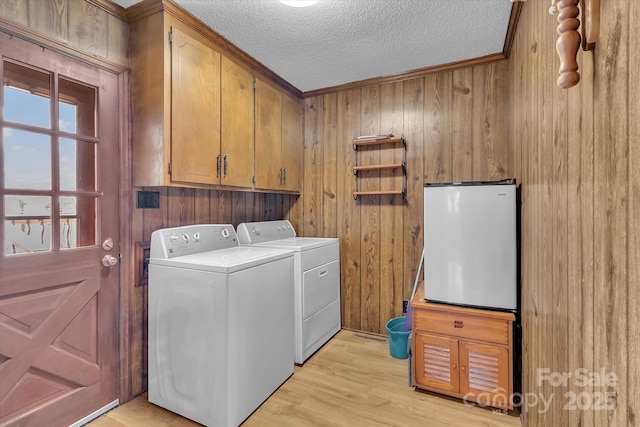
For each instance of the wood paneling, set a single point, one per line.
(633, 279)
(414, 124)
(455, 128)
(348, 218)
(576, 154)
(83, 27)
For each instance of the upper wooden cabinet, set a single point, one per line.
(291, 153)
(196, 116)
(195, 111)
(278, 148)
(237, 142)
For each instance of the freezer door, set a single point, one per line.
(470, 245)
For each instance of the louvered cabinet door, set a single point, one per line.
(436, 362)
(484, 373)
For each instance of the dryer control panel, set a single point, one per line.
(265, 231)
(191, 239)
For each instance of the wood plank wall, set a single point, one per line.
(576, 153)
(84, 25)
(455, 125)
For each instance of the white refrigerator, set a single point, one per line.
(470, 244)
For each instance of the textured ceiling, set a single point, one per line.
(335, 42)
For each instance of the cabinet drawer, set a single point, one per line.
(460, 325)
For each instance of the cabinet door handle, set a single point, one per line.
(463, 368)
(281, 176)
(225, 165)
(454, 366)
(285, 175)
(218, 166)
(458, 324)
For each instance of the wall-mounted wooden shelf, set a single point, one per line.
(365, 141)
(378, 193)
(378, 167)
(376, 140)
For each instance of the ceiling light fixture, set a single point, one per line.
(299, 3)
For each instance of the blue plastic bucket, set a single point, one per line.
(398, 338)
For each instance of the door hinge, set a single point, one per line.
(170, 36)
(253, 179)
(169, 168)
(254, 85)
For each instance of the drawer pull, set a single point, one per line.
(458, 324)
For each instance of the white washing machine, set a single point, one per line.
(220, 323)
(316, 280)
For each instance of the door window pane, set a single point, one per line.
(26, 96)
(56, 162)
(27, 224)
(77, 108)
(27, 160)
(77, 222)
(77, 165)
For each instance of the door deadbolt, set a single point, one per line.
(107, 245)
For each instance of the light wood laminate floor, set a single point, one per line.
(351, 381)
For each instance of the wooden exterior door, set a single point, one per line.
(59, 315)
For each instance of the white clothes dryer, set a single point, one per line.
(220, 323)
(316, 280)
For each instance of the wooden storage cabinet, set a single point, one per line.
(195, 111)
(196, 117)
(462, 352)
(278, 153)
(291, 153)
(175, 81)
(237, 134)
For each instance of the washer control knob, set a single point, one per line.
(185, 237)
(173, 238)
(196, 236)
(225, 233)
(256, 231)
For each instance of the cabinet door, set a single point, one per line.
(291, 144)
(237, 126)
(268, 136)
(436, 362)
(484, 373)
(195, 110)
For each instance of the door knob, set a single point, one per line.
(109, 260)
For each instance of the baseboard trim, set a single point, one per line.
(96, 414)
